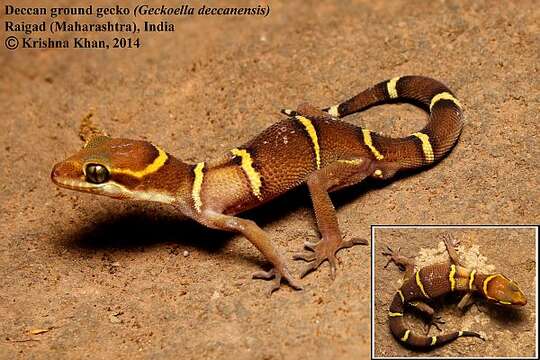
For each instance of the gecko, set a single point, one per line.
(436, 280)
(311, 146)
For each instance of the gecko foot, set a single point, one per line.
(322, 251)
(450, 241)
(277, 276)
(395, 256)
(435, 321)
(392, 257)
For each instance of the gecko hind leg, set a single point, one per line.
(335, 176)
(428, 314)
(422, 307)
(435, 321)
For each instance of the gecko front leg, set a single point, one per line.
(451, 243)
(402, 262)
(260, 240)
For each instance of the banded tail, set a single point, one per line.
(406, 336)
(422, 148)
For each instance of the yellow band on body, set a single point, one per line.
(452, 278)
(247, 165)
(197, 185)
(308, 125)
(420, 285)
(369, 143)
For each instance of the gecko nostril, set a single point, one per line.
(55, 173)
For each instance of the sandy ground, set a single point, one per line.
(508, 331)
(110, 279)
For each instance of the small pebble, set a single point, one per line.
(113, 319)
(186, 253)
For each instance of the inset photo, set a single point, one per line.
(454, 291)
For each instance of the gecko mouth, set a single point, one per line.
(78, 185)
(75, 184)
(513, 304)
(107, 189)
(517, 303)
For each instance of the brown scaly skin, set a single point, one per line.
(311, 146)
(436, 280)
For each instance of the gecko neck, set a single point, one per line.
(170, 184)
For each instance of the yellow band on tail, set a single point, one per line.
(391, 87)
(405, 336)
(444, 96)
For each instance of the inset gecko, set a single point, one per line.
(436, 280)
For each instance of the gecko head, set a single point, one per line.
(112, 167)
(502, 290)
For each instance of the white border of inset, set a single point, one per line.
(437, 226)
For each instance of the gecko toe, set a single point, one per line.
(308, 257)
(277, 277)
(264, 275)
(325, 250)
(310, 245)
(310, 268)
(352, 242)
(332, 260)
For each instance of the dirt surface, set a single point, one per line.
(94, 278)
(508, 331)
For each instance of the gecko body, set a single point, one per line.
(310, 147)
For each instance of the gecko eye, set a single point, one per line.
(96, 173)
